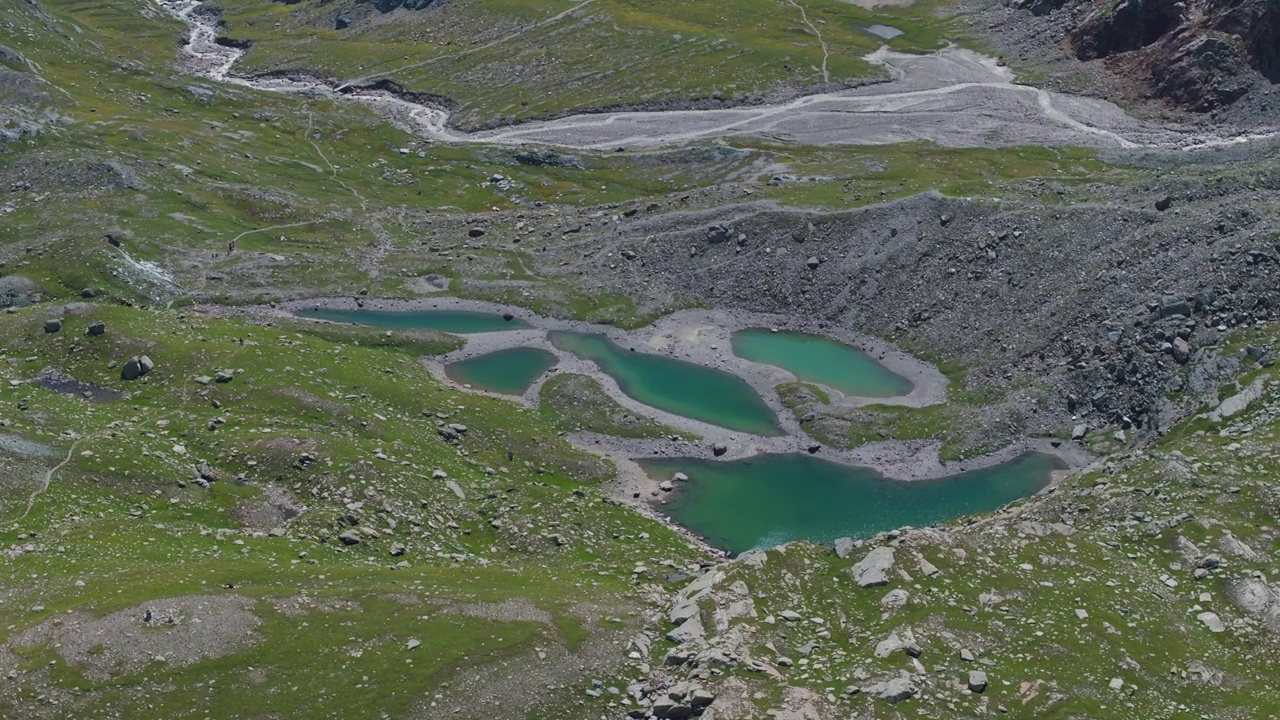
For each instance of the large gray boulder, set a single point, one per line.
(889, 646)
(977, 681)
(136, 367)
(873, 570)
(893, 691)
(844, 547)
(1212, 621)
(688, 631)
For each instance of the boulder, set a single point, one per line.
(1170, 306)
(1181, 350)
(684, 612)
(844, 547)
(977, 681)
(1079, 431)
(717, 234)
(895, 599)
(1212, 621)
(53, 325)
(679, 712)
(893, 691)
(95, 329)
(701, 698)
(719, 449)
(873, 570)
(1210, 562)
(928, 568)
(224, 376)
(136, 367)
(687, 631)
(889, 646)
(813, 263)
(350, 537)
(88, 293)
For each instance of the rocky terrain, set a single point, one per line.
(1212, 57)
(212, 508)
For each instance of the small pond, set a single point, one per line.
(452, 321)
(814, 358)
(509, 371)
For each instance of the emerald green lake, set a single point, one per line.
(679, 387)
(509, 371)
(772, 499)
(814, 358)
(453, 321)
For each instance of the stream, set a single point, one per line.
(953, 97)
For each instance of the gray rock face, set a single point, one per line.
(688, 631)
(895, 599)
(873, 570)
(844, 546)
(893, 691)
(1212, 621)
(1181, 351)
(889, 646)
(683, 612)
(977, 681)
(136, 367)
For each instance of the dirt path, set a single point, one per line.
(44, 484)
(826, 53)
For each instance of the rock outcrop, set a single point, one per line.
(1199, 55)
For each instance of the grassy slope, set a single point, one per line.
(508, 60)
(123, 518)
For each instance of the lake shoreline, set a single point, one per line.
(704, 337)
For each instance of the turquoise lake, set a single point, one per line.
(772, 499)
(818, 359)
(509, 371)
(452, 321)
(679, 387)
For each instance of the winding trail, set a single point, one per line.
(355, 82)
(954, 98)
(44, 484)
(826, 53)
